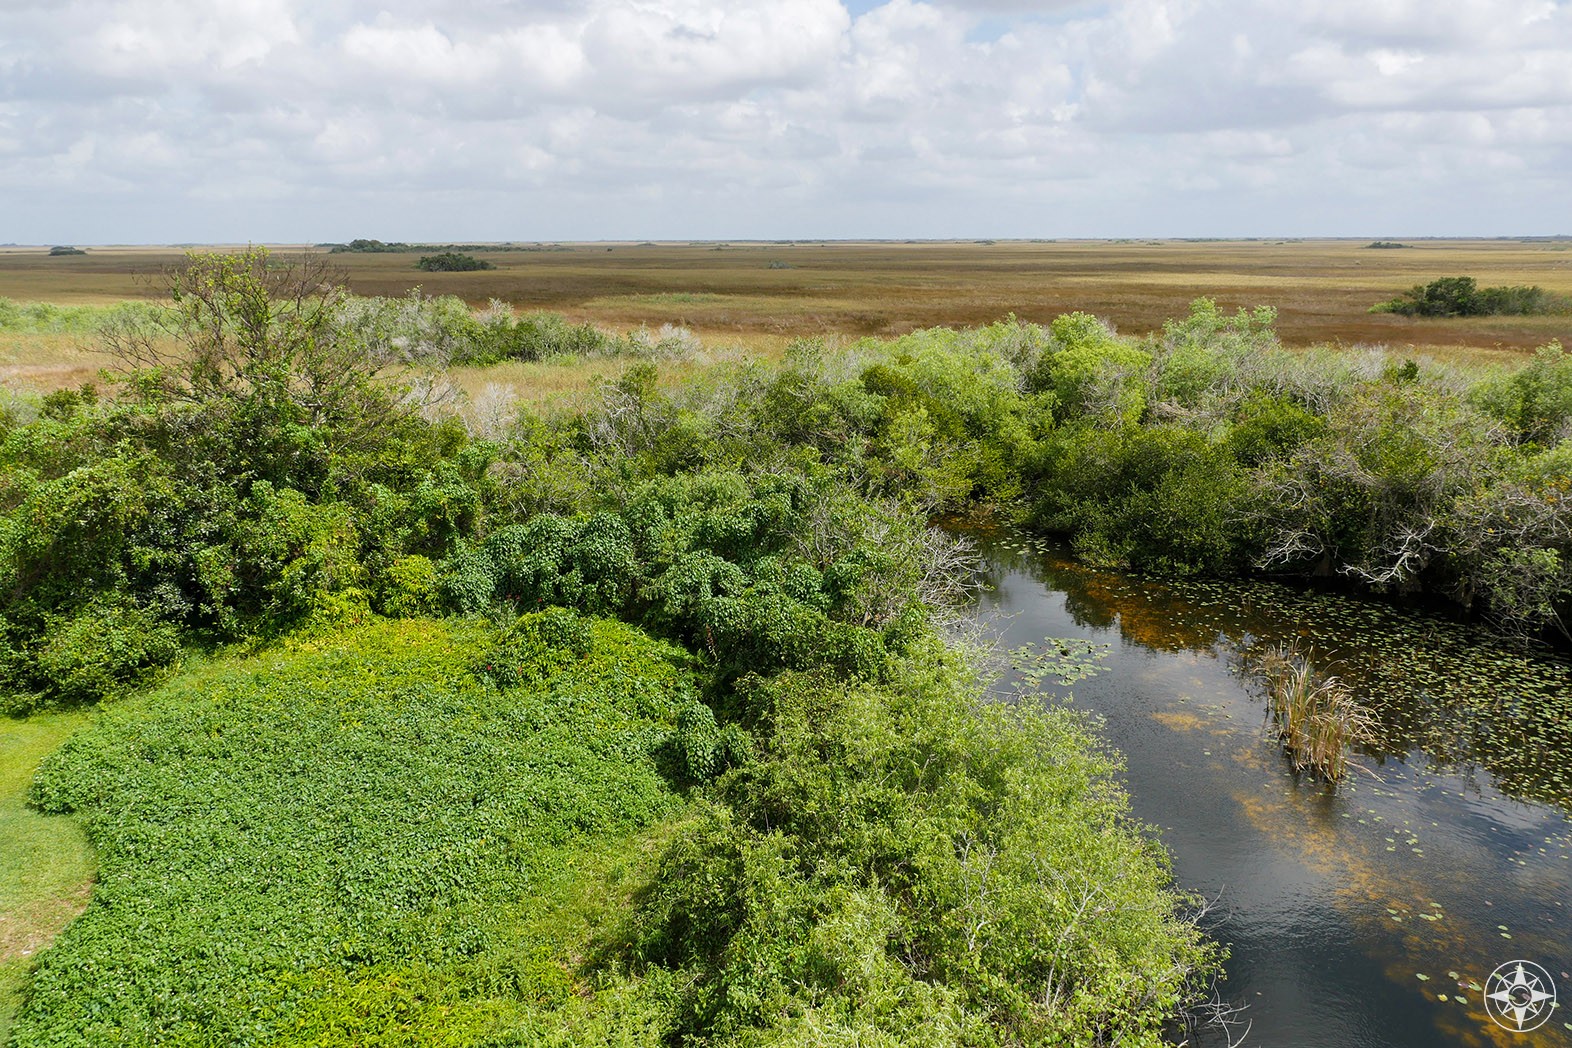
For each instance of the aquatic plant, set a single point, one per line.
(1316, 718)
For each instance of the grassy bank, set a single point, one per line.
(46, 866)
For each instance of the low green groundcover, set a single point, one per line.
(347, 840)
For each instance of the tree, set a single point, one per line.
(255, 350)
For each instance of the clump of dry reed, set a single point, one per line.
(1316, 717)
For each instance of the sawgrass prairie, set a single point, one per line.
(758, 296)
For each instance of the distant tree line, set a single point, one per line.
(394, 247)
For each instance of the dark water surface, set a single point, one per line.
(1361, 916)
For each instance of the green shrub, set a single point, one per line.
(95, 653)
(452, 262)
(1268, 427)
(499, 336)
(71, 537)
(1463, 297)
(885, 864)
(1162, 498)
(291, 552)
(1091, 372)
(1209, 353)
(1368, 496)
(535, 646)
(949, 430)
(1536, 400)
(700, 748)
(411, 588)
(1509, 542)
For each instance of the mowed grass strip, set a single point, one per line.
(46, 866)
(356, 839)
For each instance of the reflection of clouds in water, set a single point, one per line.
(1437, 686)
(1307, 883)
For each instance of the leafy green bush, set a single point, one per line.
(410, 588)
(102, 651)
(292, 553)
(1463, 297)
(452, 262)
(1510, 542)
(1535, 401)
(500, 335)
(95, 652)
(535, 646)
(1367, 497)
(1203, 355)
(950, 429)
(75, 536)
(1091, 372)
(1268, 427)
(700, 746)
(1161, 498)
(897, 861)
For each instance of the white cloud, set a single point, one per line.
(150, 37)
(283, 119)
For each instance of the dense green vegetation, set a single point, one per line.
(686, 763)
(407, 694)
(451, 262)
(356, 838)
(1463, 297)
(362, 838)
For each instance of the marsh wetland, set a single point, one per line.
(404, 665)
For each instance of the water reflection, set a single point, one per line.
(1365, 915)
(1451, 691)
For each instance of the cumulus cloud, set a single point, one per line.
(282, 119)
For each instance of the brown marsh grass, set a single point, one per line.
(1321, 288)
(45, 362)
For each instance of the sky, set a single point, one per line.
(165, 121)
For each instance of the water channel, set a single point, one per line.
(1367, 914)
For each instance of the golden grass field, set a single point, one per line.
(759, 296)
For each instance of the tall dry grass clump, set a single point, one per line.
(1316, 718)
